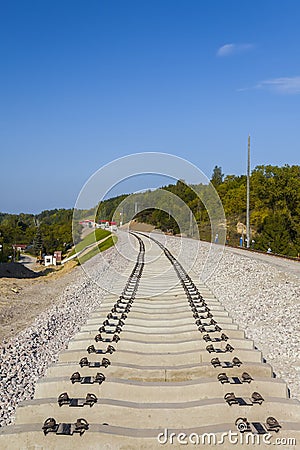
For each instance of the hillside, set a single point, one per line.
(274, 208)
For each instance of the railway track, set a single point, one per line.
(162, 358)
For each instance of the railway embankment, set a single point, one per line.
(261, 298)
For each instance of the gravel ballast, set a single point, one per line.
(262, 299)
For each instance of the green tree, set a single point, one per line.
(38, 242)
(278, 234)
(217, 176)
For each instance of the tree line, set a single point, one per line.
(274, 207)
(274, 213)
(43, 233)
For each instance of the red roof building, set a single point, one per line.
(19, 247)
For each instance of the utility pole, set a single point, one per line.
(248, 196)
(191, 224)
(1, 246)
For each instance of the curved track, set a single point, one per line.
(163, 355)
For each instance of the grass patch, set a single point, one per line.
(94, 236)
(98, 248)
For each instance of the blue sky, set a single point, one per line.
(83, 83)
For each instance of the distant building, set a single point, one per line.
(89, 223)
(49, 260)
(113, 226)
(104, 224)
(19, 247)
(57, 256)
(107, 225)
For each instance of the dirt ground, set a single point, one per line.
(140, 226)
(27, 289)
(25, 293)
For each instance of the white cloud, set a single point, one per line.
(284, 85)
(225, 50)
(230, 49)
